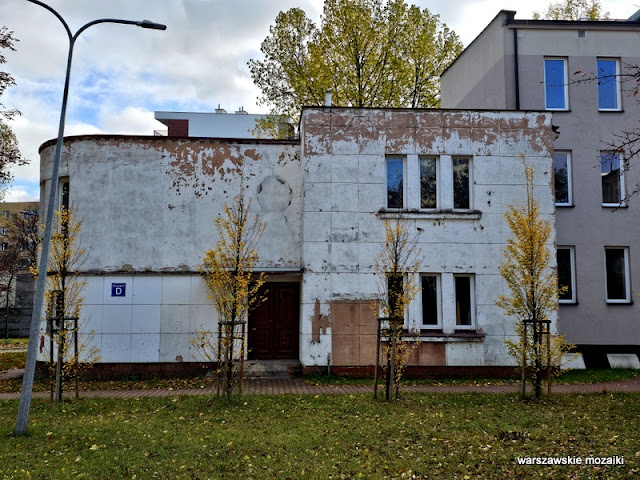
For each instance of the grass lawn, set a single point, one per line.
(13, 343)
(571, 376)
(442, 436)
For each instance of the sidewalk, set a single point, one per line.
(285, 386)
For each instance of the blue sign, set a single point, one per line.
(118, 289)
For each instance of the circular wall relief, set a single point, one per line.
(274, 194)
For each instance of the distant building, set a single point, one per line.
(520, 64)
(220, 124)
(22, 286)
(148, 205)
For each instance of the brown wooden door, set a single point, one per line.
(273, 325)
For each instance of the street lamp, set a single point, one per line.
(30, 367)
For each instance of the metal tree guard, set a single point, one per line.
(388, 332)
(539, 328)
(227, 337)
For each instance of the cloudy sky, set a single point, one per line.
(122, 74)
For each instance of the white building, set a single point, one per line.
(147, 205)
(220, 124)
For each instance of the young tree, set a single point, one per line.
(370, 53)
(228, 271)
(532, 284)
(573, 10)
(64, 299)
(19, 253)
(9, 153)
(396, 267)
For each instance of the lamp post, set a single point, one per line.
(27, 381)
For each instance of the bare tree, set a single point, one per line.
(18, 252)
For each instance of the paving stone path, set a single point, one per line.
(286, 386)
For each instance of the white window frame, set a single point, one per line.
(4, 246)
(472, 301)
(438, 182)
(404, 181)
(572, 264)
(453, 183)
(627, 279)
(438, 324)
(618, 86)
(621, 202)
(569, 180)
(565, 83)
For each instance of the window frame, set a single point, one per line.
(572, 265)
(438, 180)
(469, 159)
(569, 202)
(621, 189)
(627, 277)
(618, 88)
(438, 324)
(403, 159)
(472, 301)
(565, 83)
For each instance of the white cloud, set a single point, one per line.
(20, 195)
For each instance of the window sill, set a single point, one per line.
(568, 110)
(430, 214)
(619, 302)
(615, 205)
(602, 110)
(568, 302)
(437, 336)
(565, 205)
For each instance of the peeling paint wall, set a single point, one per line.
(148, 203)
(344, 189)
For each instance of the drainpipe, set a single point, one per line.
(515, 66)
(329, 364)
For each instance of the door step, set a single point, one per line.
(271, 368)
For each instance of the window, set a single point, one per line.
(562, 178)
(565, 257)
(64, 193)
(608, 84)
(3, 230)
(464, 301)
(617, 275)
(395, 182)
(3, 246)
(428, 182)
(555, 84)
(612, 179)
(461, 183)
(430, 300)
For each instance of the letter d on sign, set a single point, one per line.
(118, 289)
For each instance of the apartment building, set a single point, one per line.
(18, 250)
(575, 69)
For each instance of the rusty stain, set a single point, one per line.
(319, 323)
(179, 358)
